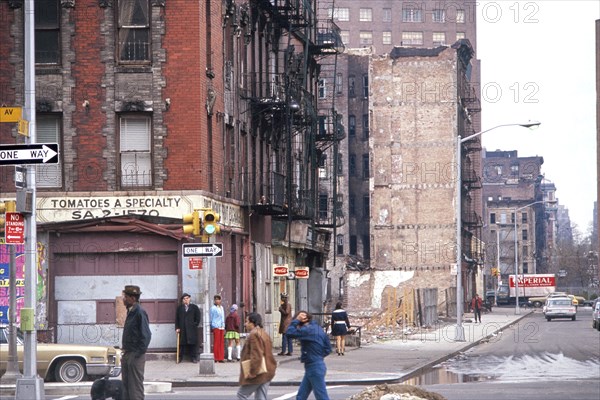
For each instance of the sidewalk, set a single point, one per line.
(390, 361)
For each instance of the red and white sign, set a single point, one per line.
(195, 263)
(301, 272)
(14, 228)
(280, 269)
(539, 280)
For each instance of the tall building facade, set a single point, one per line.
(377, 28)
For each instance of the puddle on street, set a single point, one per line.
(440, 375)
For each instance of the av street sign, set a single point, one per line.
(203, 249)
(34, 153)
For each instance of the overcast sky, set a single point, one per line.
(538, 63)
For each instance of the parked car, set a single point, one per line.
(560, 307)
(65, 362)
(541, 300)
(596, 314)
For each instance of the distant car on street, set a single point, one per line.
(596, 314)
(68, 363)
(560, 307)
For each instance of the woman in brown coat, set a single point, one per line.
(258, 346)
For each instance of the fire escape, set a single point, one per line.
(471, 163)
(330, 130)
(284, 112)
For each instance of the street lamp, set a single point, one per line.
(460, 331)
(517, 309)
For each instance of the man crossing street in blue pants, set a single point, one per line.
(315, 346)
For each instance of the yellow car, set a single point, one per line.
(65, 362)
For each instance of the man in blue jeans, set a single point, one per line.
(315, 347)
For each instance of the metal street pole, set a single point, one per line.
(460, 331)
(30, 386)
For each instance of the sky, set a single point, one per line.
(538, 63)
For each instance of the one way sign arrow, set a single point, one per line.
(203, 249)
(35, 153)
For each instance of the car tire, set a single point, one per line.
(548, 319)
(70, 370)
(573, 318)
(537, 304)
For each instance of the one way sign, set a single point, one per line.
(203, 249)
(35, 153)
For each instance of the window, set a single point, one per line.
(339, 83)
(366, 247)
(439, 38)
(492, 218)
(411, 15)
(351, 86)
(352, 165)
(387, 37)
(352, 206)
(340, 164)
(365, 80)
(439, 16)
(136, 157)
(366, 37)
(352, 245)
(352, 125)
(387, 15)
(322, 88)
(460, 16)
(366, 15)
(365, 168)
(48, 131)
(323, 206)
(498, 169)
(365, 126)
(342, 14)
(460, 35)
(524, 235)
(525, 251)
(345, 36)
(339, 245)
(366, 207)
(134, 31)
(514, 169)
(524, 218)
(512, 218)
(525, 268)
(323, 166)
(47, 32)
(322, 121)
(412, 38)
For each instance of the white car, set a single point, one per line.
(560, 307)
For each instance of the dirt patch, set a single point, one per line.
(396, 392)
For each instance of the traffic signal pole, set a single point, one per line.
(30, 386)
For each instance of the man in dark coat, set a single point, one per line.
(187, 320)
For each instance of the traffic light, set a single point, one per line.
(192, 223)
(6, 207)
(211, 223)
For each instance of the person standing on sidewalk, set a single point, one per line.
(187, 320)
(217, 325)
(258, 349)
(476, 306)
(339, 327)
(135, 341)
(315, 347)
(232, 333)
(285, 309)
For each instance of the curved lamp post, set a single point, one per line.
(460, 330)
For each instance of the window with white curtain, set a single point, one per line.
(133, 31)
(48, 128)
(387, 37)
(366, 15)
(135, 151)
(412, 38)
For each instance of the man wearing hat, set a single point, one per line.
(136, 338)
(285, 309)
(187, 320)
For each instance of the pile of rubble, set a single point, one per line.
(375, 329)
(396, 392)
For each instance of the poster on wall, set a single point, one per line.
(4, 280)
